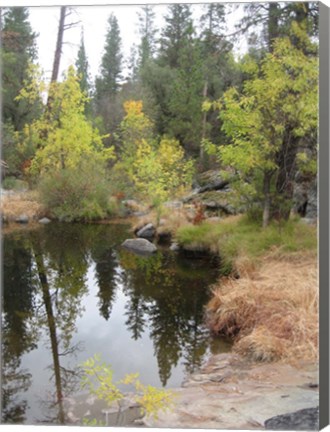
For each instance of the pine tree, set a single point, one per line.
(186, 97)
(213, 26)
(178, 28)
(107, 85)
(18, 52)
(111, 66)
(82, 67)
(147, 32)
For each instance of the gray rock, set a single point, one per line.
(23, 219)
(140, 246)
(305, 419)
(174, 247)
(44, 221)
(173, 204)
(212, 180)
(147, 232)
(305, 197)
(311, 208)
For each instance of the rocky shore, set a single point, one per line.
(231, 393)
(228, 392)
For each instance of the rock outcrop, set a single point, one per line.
(305, 419)
(230, 392)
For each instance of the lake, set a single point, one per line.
(70, 291)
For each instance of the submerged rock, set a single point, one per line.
(305, 419)
(140, 245)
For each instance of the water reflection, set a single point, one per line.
(17, 336)
(47, 282)
(161, 297)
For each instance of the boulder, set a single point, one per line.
(213, 180)
(215, 201)
(44, 221)
(147, 232)
(311, 208)
(174, 247)
(23, 219)
(305, 197)
(305, 419)
(140, 246)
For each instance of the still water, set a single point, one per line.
(70, 291)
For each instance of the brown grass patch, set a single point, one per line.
(270, 312)
(171, 220)
(12, 206)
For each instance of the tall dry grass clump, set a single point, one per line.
(270, 312)
(27, 203)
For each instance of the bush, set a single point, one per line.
(76, 194)
(12, 183)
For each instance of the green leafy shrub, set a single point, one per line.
(76, 194)
(12, 183)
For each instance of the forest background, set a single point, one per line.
(183, 103)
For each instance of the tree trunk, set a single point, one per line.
(59, 43)
(51, 327)
(286, 162)
(267, 198)
(201, 151)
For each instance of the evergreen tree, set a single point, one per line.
(148, 34)
(18, 52)
(111, 66)
(107, 85)
(178, 29)
(213, 23)
(218, 65)
(186, 97)
(82, 67)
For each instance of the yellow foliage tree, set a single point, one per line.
(156, 167)
(63, 136)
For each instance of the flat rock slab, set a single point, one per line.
(232, 393)
(140, 246)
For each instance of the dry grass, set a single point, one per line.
(270, 312)
(171, 220)
(12, 206)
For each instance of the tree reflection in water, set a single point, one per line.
(17, 337)
(47, 272)
(160, 297)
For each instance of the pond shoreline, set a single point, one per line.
(229, 392)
